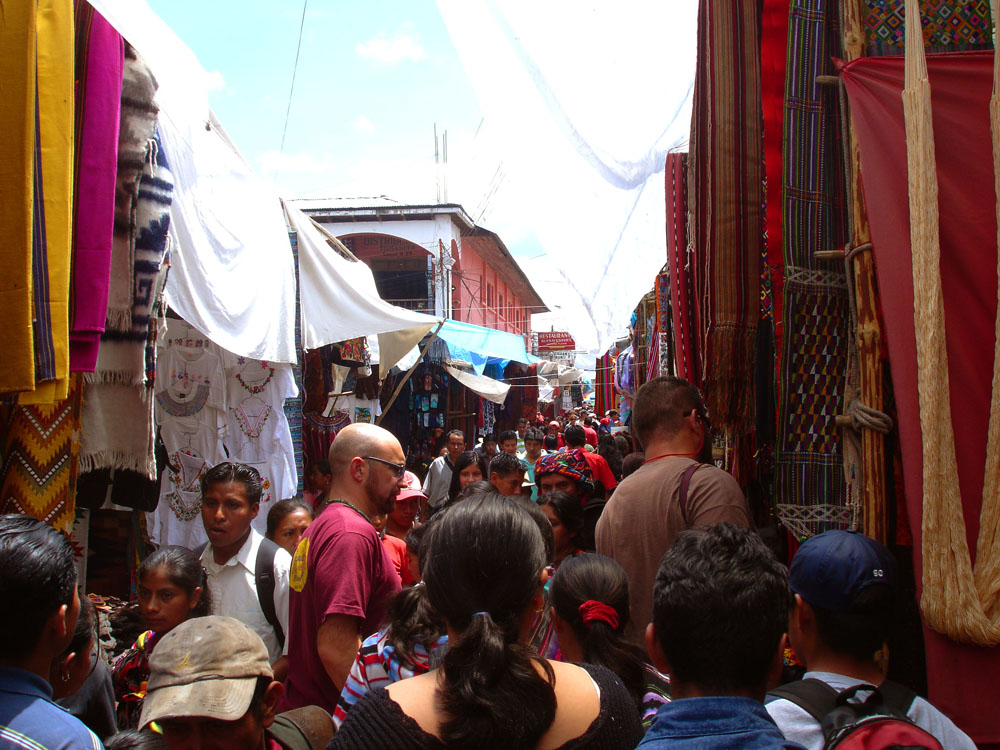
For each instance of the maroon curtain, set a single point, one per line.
(962, 679)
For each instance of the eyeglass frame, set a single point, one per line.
(400, 468)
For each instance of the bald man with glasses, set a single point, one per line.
(341, 576)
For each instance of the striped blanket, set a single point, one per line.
(725, 189)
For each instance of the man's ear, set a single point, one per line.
(254, 510)
(777, 663)
(57, 623)
(656, 650)
(272, 698)
(357, 469)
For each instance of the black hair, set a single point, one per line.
(483, 569)
(575, 436)
(414, 538)
(551, 442)
(607, 448)
(280, 510)
(183, 568)
(465, 459)
(482, 487)
(506, 435)
(631, 462)
(232, 471)
(660, 406)
(569, 511)
(541, 521)
(598, 578)
(256, 707)
(489, 437)
(534, 433)
(412, 621)
(85, 632)
(133, 739)
(323, 467)
(864, 628)
(505, 464)
(39, 575)
(625, 443)
(720, 608)
(523, 419)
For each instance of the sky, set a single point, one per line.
(372, 81)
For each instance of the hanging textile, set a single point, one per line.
(118, 412)
(293, 405)
(809, 477)
(99, 61)
(17, 148)
(52, 201)
(725, 190)
(773, 51)
(685, 304)
(960, 678)
(604, 384)
(948, 26)
(40, 451)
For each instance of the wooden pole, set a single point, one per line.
(409, 374)
(869, 332)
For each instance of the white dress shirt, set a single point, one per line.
(234, 590)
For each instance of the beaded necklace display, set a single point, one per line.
(351, 505)
(255, 389)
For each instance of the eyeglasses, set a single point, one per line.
(400, 468)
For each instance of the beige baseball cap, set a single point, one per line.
(206, 666)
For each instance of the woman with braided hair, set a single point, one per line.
(589, 595)
(484, 575)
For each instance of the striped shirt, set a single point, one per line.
(378, 664)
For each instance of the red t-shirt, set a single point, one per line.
(600, 469)
(396, 548)
(591, 436)
(340, 567)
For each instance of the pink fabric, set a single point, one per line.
(961, 679)
(100, 57)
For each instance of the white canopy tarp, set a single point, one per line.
(586, 99)
(339, 300)
(232, 275)
(488, 388)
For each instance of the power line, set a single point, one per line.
(291, 90)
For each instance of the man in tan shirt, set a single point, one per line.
(645, 514)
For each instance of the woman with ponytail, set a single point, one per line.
(484, 575)
(589, 596)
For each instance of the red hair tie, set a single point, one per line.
(592, 610)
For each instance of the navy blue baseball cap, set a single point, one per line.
(832, 568)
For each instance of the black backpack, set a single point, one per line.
(878, 723)
(263, 578)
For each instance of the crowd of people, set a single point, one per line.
(557, 586)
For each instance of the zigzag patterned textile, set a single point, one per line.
(948, 26)
(725, 187)
(809, 481)
(683, 300)
(40, 467)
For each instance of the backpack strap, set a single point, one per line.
(305, 728)
(897, 696)
(263, 577)
(685, 482)
(813, 696)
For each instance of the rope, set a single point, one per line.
(950, 600)
(866, 418)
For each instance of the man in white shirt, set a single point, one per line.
(438, 478)
(243, 585)
(843, 585)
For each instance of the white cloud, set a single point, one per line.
(214, 81)
(364, 126)
(389, 49)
